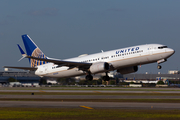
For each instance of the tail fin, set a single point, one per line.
(33, 50)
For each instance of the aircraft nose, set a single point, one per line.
(171, 51)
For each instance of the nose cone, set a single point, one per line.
(170, 51)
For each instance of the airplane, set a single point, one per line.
(125, 60)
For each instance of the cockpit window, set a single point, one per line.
(161, 47)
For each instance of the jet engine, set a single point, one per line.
(99, 67)
(128, 70)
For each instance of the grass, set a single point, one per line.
(85, 114)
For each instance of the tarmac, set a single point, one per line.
(87, 97)
(94, 105)
(101, 91)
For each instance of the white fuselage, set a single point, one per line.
(119, 58)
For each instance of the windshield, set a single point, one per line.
(161, 47)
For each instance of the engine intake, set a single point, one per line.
(99, 67)
(128, 70)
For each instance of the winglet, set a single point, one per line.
(22, 52)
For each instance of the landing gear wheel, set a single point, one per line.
(106, 78)
(89, 77)
(159, 67)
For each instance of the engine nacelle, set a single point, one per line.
(128, 70)
(99, 67)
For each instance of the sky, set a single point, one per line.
(68, 28)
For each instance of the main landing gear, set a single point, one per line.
(89, 76)
(106, 78)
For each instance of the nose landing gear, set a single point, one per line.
(159, 66)
(160, 61)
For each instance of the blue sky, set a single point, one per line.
(68, 28)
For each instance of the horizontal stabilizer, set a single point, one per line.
(21, 50)
(23, 68)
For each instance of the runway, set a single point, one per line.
(101, 98)
(94, 105)
(80, 97)
(101, 91)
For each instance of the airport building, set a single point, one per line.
(172, 77)
(151, 76)
(23, 77)
(138, 76)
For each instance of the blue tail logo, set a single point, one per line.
(33, 50)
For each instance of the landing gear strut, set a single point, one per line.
(160, 61)
(106, 78)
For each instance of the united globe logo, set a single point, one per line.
(39, 54)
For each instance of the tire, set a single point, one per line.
(89, 77)
(159, 67)
(106, 78)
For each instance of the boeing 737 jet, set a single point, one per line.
(125, 60)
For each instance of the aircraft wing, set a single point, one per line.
(60, 63)
(23, 68)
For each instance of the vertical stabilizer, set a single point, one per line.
(33, 50)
